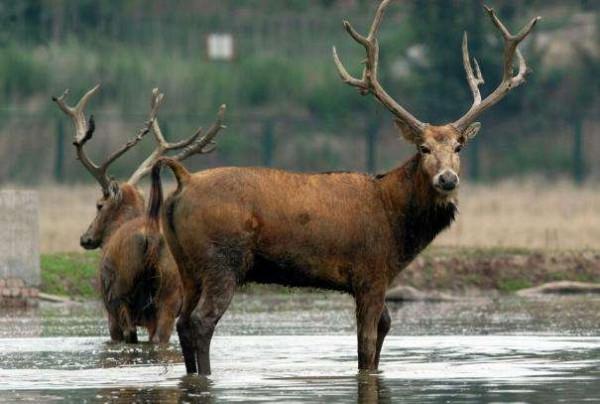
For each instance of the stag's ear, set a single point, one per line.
(408, 132)
(470, 132)
(114, 191)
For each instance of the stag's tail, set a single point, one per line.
(182, 175)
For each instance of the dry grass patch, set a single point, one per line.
(525, 214)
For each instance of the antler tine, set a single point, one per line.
(369, 82)
(509, 81)
(200, 146)
(157, 98)
(138, 137)
(475, 79)
(83, 132)
(188, 147)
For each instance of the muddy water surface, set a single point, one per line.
(301, 348)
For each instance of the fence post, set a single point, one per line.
(578, 158)
(474, 159)
(268, 142)
(19, 248)
(372, 129)
(59, 159)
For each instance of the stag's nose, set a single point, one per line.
(448, 180)
(87, 242)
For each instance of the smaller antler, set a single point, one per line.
(369, 82)
(190, 146)
(475, 79)
(84, 131)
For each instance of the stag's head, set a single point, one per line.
(439, 145)
(121, 202)
(439, 150)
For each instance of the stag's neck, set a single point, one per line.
(417, 212)
(131, 208)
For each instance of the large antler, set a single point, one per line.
(369, 82)
(84, 131)
(193, 145)
(475, 79)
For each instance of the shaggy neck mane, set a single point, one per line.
(416, 211)
(131, 207)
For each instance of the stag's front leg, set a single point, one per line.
(116, 333)
(369, 309)
(385, 323)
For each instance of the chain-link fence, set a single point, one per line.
(287, 107)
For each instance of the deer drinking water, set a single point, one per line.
(343, 231)
(139, 280)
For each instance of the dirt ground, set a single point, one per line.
(506, 270)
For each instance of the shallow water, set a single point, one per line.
(301, 348)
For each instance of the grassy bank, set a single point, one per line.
(70, 274)
(450, 269)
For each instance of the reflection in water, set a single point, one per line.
(302, 349)
(372, 389)
(191, 389)
(121, 354)
(196, 389)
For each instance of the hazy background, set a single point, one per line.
(287, 107)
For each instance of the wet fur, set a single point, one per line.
(342, 231)
(139, 280)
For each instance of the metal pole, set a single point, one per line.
(60, 152)
(474, 159)
(268, 143)
(578, 158)
(371, 137)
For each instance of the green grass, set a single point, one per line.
(75, 274)
(70, 274)
(513, 285)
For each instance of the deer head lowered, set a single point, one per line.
(121, 202)
(439, 145)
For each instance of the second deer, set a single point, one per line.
(139, 279)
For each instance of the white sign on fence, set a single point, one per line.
(220, 46)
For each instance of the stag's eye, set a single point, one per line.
(99, 206)
(458, 148)
(424, 149)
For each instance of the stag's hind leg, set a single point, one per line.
(127, 325)
(199, 317)
(217, 291)
(165, 319)
(185, 329)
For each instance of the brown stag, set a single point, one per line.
(343, 231)
(139, 280)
